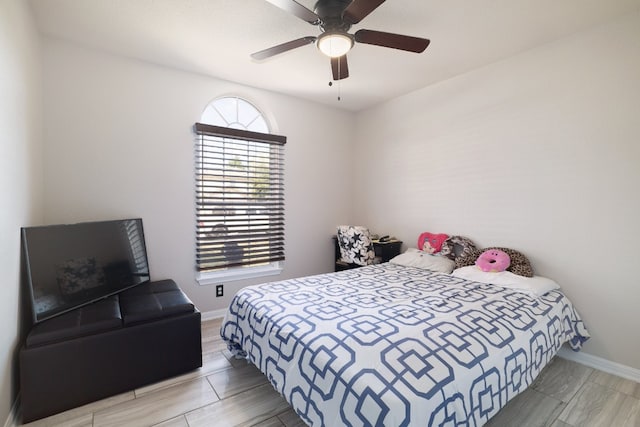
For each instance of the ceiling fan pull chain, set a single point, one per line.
(339, 81)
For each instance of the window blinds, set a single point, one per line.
(239, 197)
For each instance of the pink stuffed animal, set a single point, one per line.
(431, 243)
(493, 260)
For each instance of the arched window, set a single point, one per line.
(236, 113)
(239, 193)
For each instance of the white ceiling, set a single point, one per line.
(216, 37)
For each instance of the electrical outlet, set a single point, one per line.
(219, 290)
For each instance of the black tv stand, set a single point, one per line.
(140, 336)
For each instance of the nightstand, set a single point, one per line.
(384, 252)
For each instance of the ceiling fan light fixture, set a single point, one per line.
(335, 44)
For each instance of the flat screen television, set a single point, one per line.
(71, 265)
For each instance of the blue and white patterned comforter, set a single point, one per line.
(387, 345)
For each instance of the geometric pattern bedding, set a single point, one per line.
(387, 345)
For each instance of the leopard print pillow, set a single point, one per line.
(520, 265)
(457, 246)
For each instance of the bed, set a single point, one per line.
(390, 345)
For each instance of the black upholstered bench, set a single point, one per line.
(140, 336)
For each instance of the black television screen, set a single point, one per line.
(71, 265)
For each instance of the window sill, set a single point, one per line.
(240, 273)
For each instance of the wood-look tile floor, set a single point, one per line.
(230, 392)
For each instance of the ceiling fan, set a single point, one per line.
(335, 18)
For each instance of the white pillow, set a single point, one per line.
(419, 259)
(535, 286)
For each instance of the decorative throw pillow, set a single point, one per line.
(79, 274)
(457, 246)
(493, 261)
(430, 242)
(520, 265)
(355, 244)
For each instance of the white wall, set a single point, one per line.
(119, 143)
(541, 153)
(20, 174)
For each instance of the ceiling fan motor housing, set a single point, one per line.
(330, 13)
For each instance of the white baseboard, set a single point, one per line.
(601, 364)
(12, 418)
(215, 314)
